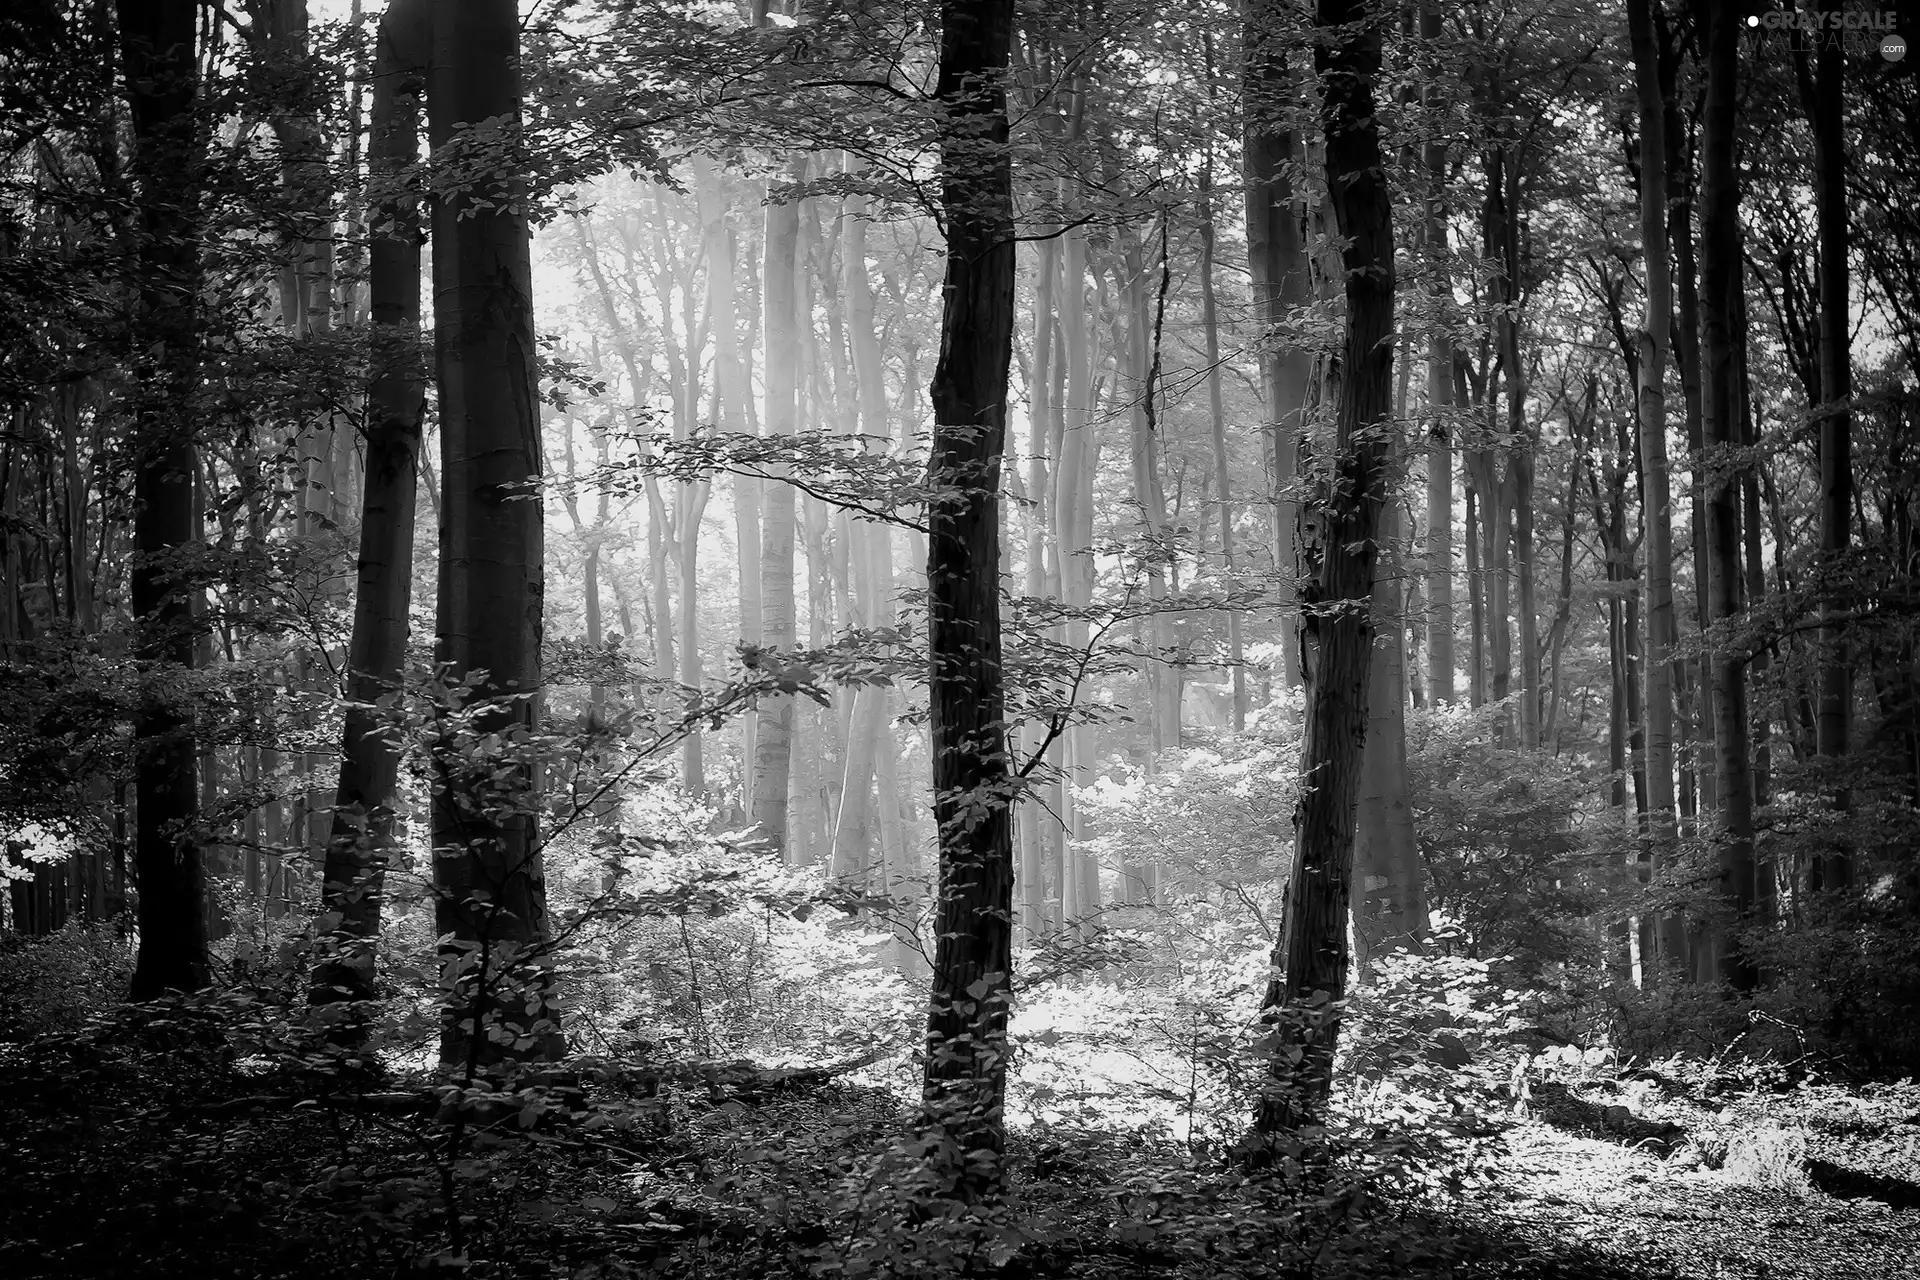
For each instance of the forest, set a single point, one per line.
(1004, 638)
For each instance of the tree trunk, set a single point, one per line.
(1338, 538)
(491, 892)
(1476, 602)
(1654, 343)
(1222, 467)
(1440, 657)
(1389, 889)
(1277, 262)
(1719, 276)
(362, 831)
(780, 325)
(730, 405)
(966, 1066)
(1823, 97)
(1073, 552)
(1035, 820)
(159, 61)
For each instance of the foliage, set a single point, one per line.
(1506, 835)
(55, 983)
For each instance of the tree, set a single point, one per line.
(1822, 92)
(490, 891)
(780, 325)
(1720, 400)
(1277, 261)
(966, 1066)
(1440, 358)
(362, 834)
(1654, 345)
(159, 55)
(1337, 548)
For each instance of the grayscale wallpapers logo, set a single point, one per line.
(1855, 31)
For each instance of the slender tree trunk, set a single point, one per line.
(1687, 352)
(1339, 531)
(1149, 497)
(730, 403)
(362, 833)
(1655, 343)
(966, 1063)
(1719, 276)
(780, 324)
(1440, 657)
(1822, 93)
(159, 61)
(490, 888)
(1073, 551)
(1222, 466)
(1476, 603)
(1034, 819)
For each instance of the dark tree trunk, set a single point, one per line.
(490, 889)
(1277, 262)
(1821, 91)
(1719, 277)
(966, 1068)
(159, 60)
(363, 816)
(1338, 527)
(1440, 404)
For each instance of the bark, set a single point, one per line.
(157, 48)
(1337, 547)
(1277, 262)
(964, 1089)
(1719, 277)
(490, 889)
(362, 830)
(780, 325)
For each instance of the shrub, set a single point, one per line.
(55, 983)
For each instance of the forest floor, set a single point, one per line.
(1815, 1183)
(124, 1157)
